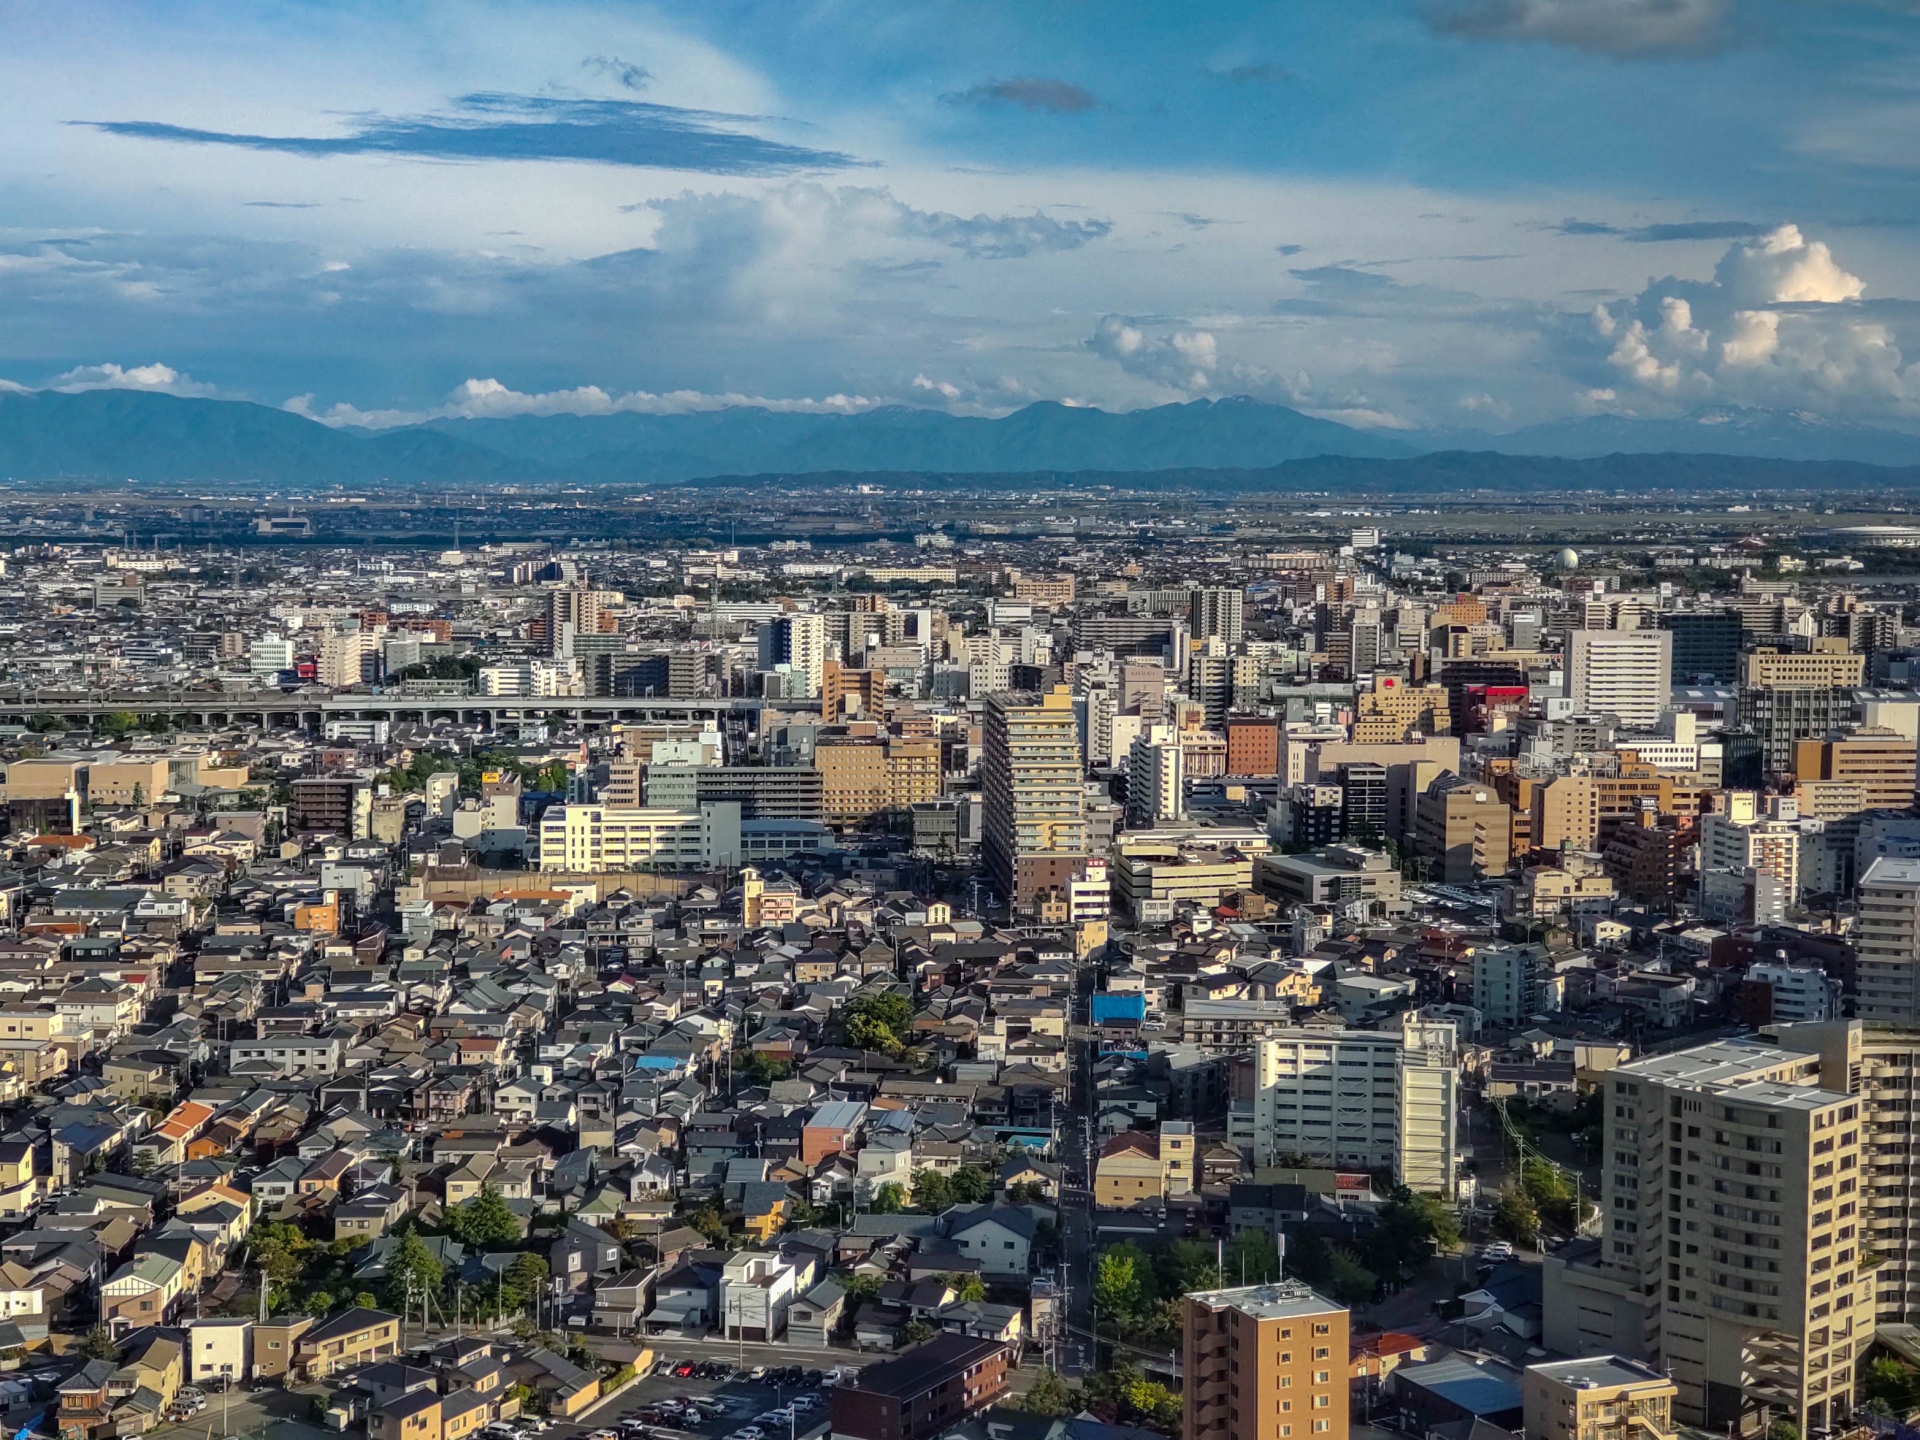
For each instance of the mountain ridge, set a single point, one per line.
(112, 435)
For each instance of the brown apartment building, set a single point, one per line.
(928, 1390)
(1264, 1362)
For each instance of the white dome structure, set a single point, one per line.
(1568, 559)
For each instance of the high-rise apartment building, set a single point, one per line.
(1506, 983)
(1733, 1250)
(1033, 802)
(1355, 1098)
(1156, 778)
(349, 659)
(799, 642)
(1887, 943)
(1264, 1362)
(1624, 673)
(1218, 613)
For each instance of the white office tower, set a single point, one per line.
(1733, 1249)
(1426, 1160)
(1625, 673)
(269, 655)
(1156, 778)
(799, 642)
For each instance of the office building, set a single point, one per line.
(1624, 673)
(1218, 614)
(1253, 745)
(1465, 829)
(1880, 761)
(1779, 717)
(1033, 801)
(268, 656)
(1156, 778)
(1264, 1362)
(1706, 644)
(1745, 838)
(1343, 877)
(1827, 665)
(799, 642)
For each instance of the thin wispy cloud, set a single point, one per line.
(1028, 92)
(1263, 72)
(623, 73)
(1660, 234)
(495, 126)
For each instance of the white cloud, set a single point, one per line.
(159, 379)
(1182, 360)
(1781, 323)
(489, 399)
(1621, 28)
(1784, 267)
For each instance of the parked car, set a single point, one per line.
(757, 1373)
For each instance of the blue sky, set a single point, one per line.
(1437, 213)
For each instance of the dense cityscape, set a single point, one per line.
(857, 960)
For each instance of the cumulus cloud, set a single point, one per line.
(1625, 29)
(1029, 92)
(490, 399)
(158, 379)
(1181, 360)
(1781, 323)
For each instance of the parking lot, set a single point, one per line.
(724, 1401)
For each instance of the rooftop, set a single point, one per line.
(1269, 1302)
(1596, 1371)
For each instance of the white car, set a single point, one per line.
(1499, 1251)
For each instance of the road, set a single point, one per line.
(1076, 1199)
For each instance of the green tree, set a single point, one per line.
(710, 1223)
(366, 1300)
(932, 1192)
(972, 1184)
(915, 1332)
(482, 1221)
(1117, 1286)
(526, 1277)
(99, 1344)
(966, 1287)
(1515, 1219)
(757, 1069)
(1048, 1396)
(881, 1021)
(1892, 1382)
(859, 1287)
(889, 1199)
(1254, 1255)
(1783, 1430)
(412, 1271)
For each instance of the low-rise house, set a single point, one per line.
(142, 1292)
(353, 1337)
(815, 1316)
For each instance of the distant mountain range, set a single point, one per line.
(113, 435)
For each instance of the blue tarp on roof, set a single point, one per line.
(1118, 1007)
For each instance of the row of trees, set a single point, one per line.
(1409, 1230)
(1118, 1394)
(1137, 1292)
(317, 1275)
(1544, 1192)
